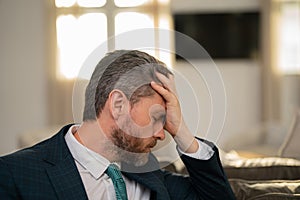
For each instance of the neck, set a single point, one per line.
(91, 135)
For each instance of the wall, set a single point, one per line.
(243, 87)
(242, 82)
(242, 101)
(23, 75)
(22, 70)
(290, 98)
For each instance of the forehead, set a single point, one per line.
(147, 102)
(157, 99)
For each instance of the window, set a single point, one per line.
(289, 40)
(76, 38)
(81, 3)
(83, 25)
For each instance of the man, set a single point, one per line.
(129, 102)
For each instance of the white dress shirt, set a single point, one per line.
(98, 185)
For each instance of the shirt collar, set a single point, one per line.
(93, 162)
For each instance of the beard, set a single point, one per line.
(130, 149)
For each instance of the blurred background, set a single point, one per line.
(254, 43)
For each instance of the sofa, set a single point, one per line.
(255, 176)
(268, 177)
(264, 178)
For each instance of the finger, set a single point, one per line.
(166, 94)
(168, 82)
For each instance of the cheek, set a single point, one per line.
(141, 124)
(140, 117)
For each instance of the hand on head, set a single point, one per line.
(173, 111)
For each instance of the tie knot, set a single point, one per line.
(113, 172)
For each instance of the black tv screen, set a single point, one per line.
(222, 35)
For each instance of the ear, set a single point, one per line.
(118, 103)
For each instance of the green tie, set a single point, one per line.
(120, 188)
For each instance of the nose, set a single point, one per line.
(160, 135)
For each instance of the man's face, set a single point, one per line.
(139, 131)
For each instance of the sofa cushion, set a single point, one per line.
(263, 168)
(265, 190)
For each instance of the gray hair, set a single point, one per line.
(130, 71)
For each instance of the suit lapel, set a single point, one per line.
(149, 176)
(66, 180)
(62, 170)
(152, 181)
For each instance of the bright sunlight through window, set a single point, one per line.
(83, 25)
(139, 21)
(130, 3)
(289, 38)
(76, 39)
(82, 3)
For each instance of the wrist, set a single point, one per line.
(186, 140)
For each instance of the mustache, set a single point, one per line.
(152, 144)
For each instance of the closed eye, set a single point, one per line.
(161, 118)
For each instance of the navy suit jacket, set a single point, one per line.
(48, 171)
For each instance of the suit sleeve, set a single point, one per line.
(8, 191)
(206, 179)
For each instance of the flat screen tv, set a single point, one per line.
(222, 35)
